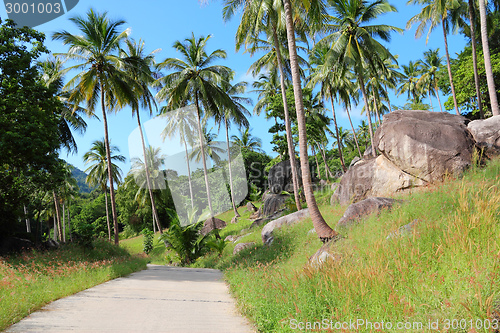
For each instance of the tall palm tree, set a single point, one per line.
(264, 17)
(97, 171)
(267, 86)
(487, 59)
(139, 66)
(247, 141)
(354, 43)
(70, 117)
(182, 122)
(324, 231)
(238, 115)
(433, 13)
(430, 65)
(96, 51)
(196, 79)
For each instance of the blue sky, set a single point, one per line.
(161, 22)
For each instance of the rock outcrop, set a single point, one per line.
(486, 133)
(290, 219)
(358, 210)
(280, 177)
(242, 246)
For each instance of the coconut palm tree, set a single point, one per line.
(487, 59)
(267, 86)
(247, 141)
(196, 79)
(182, 122)
(430, 65)
(354, 43)
(97, 171)
(139, 66)
(236, 114)
(264, 17)
(433, 13)
(408, 85)
(100, 74)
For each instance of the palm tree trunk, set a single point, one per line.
(107, 211)
(64, 223)
(323, 230)
(430, 98)
(367, 107)
(339, 146)
(449, 69)
(323, 155)
(69, 222)
(108, 157)
(203, 158)
(230, 171)
(189, 174)
(388, 99)
(55, 228)
(487, 59)
(354, 133)
(58, 216)
(437, 95)
(474, 58)
(288, 127)
(28, 224)
(316, 159)
(148, 180)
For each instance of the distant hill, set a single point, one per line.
(80, 176)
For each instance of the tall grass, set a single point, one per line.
(33, 279)
(445, 271)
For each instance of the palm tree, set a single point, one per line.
(430, 65)
(100, 74)
(196, 79)
(98, 171)
(353, 40)
(258, 17)
(182, 122)
(70, 114)
(236, 114)
(267, 86)
(433, 13)
(246, 141)
(139, 68)
(324, 231)
(487, 59)
(409, 82)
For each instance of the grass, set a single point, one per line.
(447, 269)
(33, 279)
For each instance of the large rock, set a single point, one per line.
(280, 177)
(14, 245)
(212, 223)
(373, 178)
(272, 204)
(358, 210)
(487, 135)
(242, 246)
(426, 145)
(267, 231)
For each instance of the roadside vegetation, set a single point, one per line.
(30, 280)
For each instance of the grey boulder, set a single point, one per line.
(358, 210)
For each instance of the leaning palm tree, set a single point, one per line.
(264, 17)
(237, 114)
(433, 13)
(196, 79)
(182, 122)
(98, 171)
(487, 59)
(100, 75)
(139, 66)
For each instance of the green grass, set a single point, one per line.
(448, 268)
(33, 279)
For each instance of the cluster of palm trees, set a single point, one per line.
(346, 58)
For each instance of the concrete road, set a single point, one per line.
(159, 299)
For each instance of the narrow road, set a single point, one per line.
(159, 299)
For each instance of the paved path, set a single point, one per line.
(159, 299)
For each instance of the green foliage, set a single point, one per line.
(217, 244)
(186, 241)
(29, 134)
(148, 241)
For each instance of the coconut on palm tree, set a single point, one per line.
(100, 74)
(98, 171)
(195, 78)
